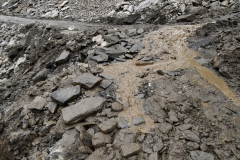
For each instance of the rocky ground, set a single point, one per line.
(74, 90)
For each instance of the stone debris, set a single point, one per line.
(38, 103)
(65, 95)
(130, 149)
(99, 140)
(63, 57)
(83, 109)
(87, 80)
(79, 90)
(108, 126)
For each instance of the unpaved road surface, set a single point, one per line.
(122, 92)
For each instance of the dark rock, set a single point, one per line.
(83, 109)
(65, 95)
(105, 83)
(160, 72)
(115, 52)
(63, 57)
(41, 76)
(120, 59)
(199, 155)
(87, 80)
(12, 53)
(1, 127)
(100, 140)
(93, 66)
(111, 39)
(130, 149)
(73, 46)
(85, 137)
(100, 57)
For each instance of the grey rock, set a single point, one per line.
(120, 59)
(52, 107)
(136, 47)
(124, 136)
(204, 147)
(108, 126)
(186, 18)
(100, 140)
(165, 128)
(189, 135)
(199, 155)
(105, 83)
(185, 127)
(85, 150)
(173, 116)
(192, 146)
(130, 149)
(51, 14)
(67, 146)
(129, 56)
(63, 96)
(154, 156)
(140, 31)
(63, 57)
(138, 120)
(87, 80)
(99, 154)
(132, 32)
(122, 123)
(117, 107)
(85, 137)
(93, 66)
(115, 52)
(73, 46)
(41, 76)
(83, 109)
(100, 57)
(38, 103)
(158, 146)
(111, 39)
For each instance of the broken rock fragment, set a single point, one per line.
(65, 95)
(100, 140)
(38, 103)
(108, 126)
(63, 57)
(83, 109)
(130, 149)
(87, 80)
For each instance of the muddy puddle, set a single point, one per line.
(169, 48)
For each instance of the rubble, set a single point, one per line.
(77, 90)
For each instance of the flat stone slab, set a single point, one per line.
(63, 96)
(130, 149)
(63, 57)
(87, 80)
(83, 109)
